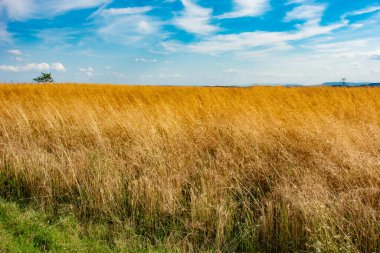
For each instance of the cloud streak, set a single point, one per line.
(89, 71)
(249, 40)
(247, 8)
(33, 66)
(367, 10)
(145, 60)
(35, 9)
(14, 52)
(309, 13)
(125, 11)
(128, 26)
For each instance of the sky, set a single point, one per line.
(190, 42)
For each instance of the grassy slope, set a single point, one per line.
(260, 169)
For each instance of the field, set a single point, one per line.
(261, 169)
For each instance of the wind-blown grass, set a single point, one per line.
(264, 169)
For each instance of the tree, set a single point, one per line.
(344, 81)
(44, 78)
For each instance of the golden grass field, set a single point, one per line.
(261, 169)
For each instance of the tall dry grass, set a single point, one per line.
(264, 169)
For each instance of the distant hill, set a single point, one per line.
(348, 84)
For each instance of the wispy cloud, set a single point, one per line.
(57, 37)
(169, 75)
(58, 66)
(35, 9)
(18, 10)
(130, 30)
(195, 19)
(62, 6)
(145, 60)
(89, 71)
(21, 10)
(234, 71)
(128, 26)
(249, 8)
(358, 48)
(367, 10)
(249, 40)
(298, 1)
(125, 11)
(267, 41)
(33, 66)
(14, 52)
(309, 13)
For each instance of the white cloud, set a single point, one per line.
(20, 10)
(145, 60)
(348, 49)
(17, 10)
(28, 9)
(234, 71)
(169, 75)
(16, 55)
(297, 1)
(36, 66)
(254, 42)
(128, 26)
(14, 52)
(125, 11)
(344, 46)
(195, 19)
(367, 10)
(357, 26)
(249, 40)
(89, 71)
(68, 5)
(58, 66)
(130, 29)
(9, 68)
(311, 13)
(33, 66)
(248, 8)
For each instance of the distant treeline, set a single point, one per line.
(340, 84)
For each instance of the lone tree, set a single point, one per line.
(44, 78)
(344, 81)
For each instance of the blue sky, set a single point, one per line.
(190, 42)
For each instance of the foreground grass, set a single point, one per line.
(25, 229)
(255, 170)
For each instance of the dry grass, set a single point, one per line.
(231, 169)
